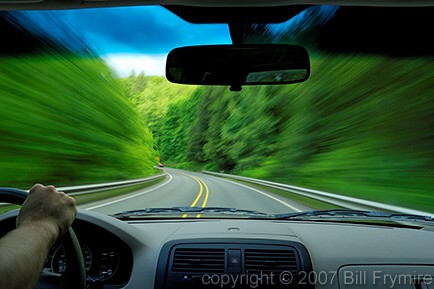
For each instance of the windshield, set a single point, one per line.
(85, 106)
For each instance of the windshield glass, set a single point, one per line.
(85, 106)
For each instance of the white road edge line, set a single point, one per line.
(132, 196)
(265, 194)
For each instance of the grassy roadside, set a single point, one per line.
(98, 135)
(312, 203)
(89, 198)
(97, 196)
(7, 208)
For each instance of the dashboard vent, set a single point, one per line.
(199, 260)
(270, 260)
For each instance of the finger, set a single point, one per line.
(36, 187)
(51, 188)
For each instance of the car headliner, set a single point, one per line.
(74, 4)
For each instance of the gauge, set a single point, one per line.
(106, 263)
(58, 260)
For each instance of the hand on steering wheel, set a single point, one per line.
(74, 276)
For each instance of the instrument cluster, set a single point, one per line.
(107, 258)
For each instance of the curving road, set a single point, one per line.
(185, 189)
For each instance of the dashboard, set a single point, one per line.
(243, 253)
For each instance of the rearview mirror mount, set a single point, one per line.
(236, 66)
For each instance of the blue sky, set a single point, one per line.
(132, 38)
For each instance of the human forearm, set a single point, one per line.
(45, 215)
(22, 254)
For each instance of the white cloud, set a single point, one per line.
(124, 64)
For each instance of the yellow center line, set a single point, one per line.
(199, 195)
(205, 200)
(200, 192)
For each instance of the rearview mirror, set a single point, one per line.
(236, 66)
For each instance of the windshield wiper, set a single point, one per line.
(321, 214)
(354, 214)
(186, 210)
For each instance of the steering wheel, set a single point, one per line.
(74, 276)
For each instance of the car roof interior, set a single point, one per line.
(235, 13)
(76, 4)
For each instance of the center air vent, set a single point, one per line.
(208, 263)
(199, 260)
(270, 260)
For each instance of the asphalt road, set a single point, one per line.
(188, 189)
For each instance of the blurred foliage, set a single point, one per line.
(153, 96)
(65, 120)
(361, 126)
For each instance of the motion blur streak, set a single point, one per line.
(64, 117)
